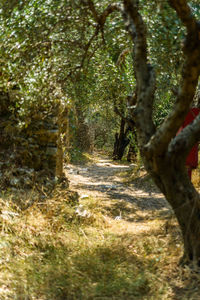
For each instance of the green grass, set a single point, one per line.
(49, 253)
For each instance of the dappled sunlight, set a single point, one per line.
(60, 258)
(116, 250)
(99, 113)
(104, 181)
(117, 241)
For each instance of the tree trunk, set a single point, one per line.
(121, 141)
(175, 184)
(164, 153)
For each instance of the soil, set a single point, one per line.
(114, 185)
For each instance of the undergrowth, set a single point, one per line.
(77, 156)
(49, 252)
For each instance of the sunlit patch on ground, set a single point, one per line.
(103, 247)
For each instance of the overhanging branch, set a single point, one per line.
(184, 13)
(100, 20)
(190, 74)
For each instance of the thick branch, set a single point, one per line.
(110, 9)
(190, 75)
(121, 114)
(101, 19)
(186, 139)
(131, 104)
(137, 30)
(184, 12)
(93, 10)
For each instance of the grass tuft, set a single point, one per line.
(49, 252)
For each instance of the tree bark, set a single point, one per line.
(175, 184)
(121, 141)
(164, 154)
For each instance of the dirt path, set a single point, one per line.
(136, 215)
(106, 181)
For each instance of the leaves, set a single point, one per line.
(51, 50)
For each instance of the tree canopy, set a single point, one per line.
(91, 56)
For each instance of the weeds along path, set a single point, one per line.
(124, 195)
(133, 232)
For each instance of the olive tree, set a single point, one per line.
(164, 153)
(61, 39)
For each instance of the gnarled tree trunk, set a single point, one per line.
(164, 154)
(170, 175)
(121, 141)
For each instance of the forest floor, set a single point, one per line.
(119, 241)
(127, 196)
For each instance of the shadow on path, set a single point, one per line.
(103, 180)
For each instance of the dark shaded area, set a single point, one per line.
(121, 141)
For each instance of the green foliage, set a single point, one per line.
(162, 108)
(49, 52)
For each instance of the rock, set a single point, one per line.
(84, 196)
(82, 212)
(84, 170)
(118, 218)
(51, 151)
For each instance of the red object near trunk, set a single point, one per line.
(192, 158)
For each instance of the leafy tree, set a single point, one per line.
(69, 50)
(163, 152)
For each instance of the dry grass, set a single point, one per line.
(196, 178)
(47, 252)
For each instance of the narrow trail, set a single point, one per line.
(105, 180)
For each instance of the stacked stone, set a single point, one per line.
(36, 149)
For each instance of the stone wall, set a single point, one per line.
(37, 147)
